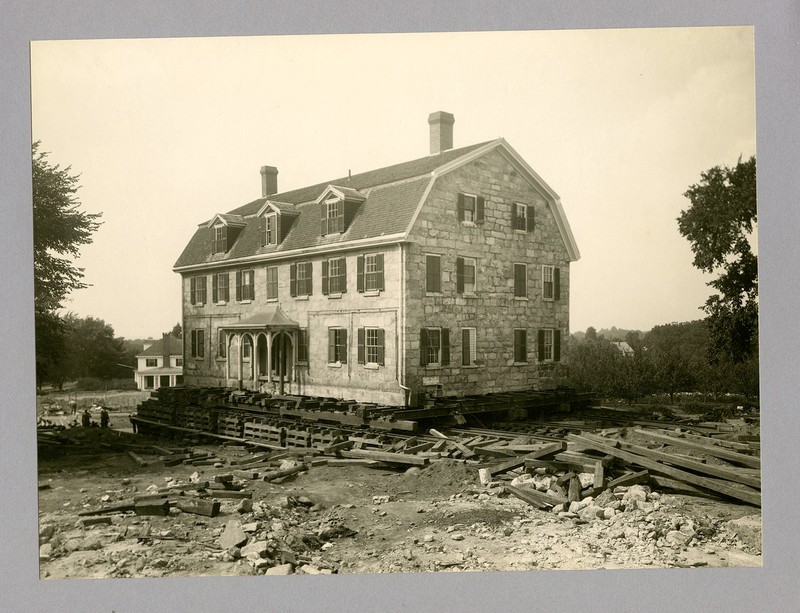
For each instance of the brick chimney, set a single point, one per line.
(269, 181)
(165, 349)
(441, 131)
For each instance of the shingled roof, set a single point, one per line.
(156, 349)
(392, 195)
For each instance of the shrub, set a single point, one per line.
(95, 384)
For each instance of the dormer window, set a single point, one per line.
(338, 207)
(272, 229)
(334, 216)
(220, 240)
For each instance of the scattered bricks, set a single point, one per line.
(94, 521)
(233, 535)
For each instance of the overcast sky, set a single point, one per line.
(167, 132)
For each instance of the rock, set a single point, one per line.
(250, 527)
(381, 499)
(308, 569)
(245, 505)
(105, 498)
(125, 481)
(280, 569)
(608, 513)
(428, 538)
(676, 538)
(412, 472)
(558, 508)
(233, 535)
(305, 501)
(637, 492)
(152, 488)
(739, 558)
(457, 536)
(591, 512)
(586, 479)
(748, 530)
(485, 476)
(194, 477)
(46, 532)
(45, 551)
(256, 549)
(605, 498)
(577, 505)
(234, 552)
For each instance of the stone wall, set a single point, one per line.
(492, 310)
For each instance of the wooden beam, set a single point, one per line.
(383, 456)
(536, 498)
(709, 448)
(740, 493)
(630, 478)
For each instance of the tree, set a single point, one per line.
(59, 230)
(719, 224)
(177, 331)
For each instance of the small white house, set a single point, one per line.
(160, 364)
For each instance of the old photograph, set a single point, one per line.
(396, 303)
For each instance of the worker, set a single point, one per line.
(86, 418)
(73, 405)
(104, 418)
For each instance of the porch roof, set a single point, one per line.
(271, 318)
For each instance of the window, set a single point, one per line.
(434, 347)
(272, 229)
(245, 285)
(148, 382)
(222, 344)
(468, 348)
(337, 345)
(151, 362)
(433, 274)
(551, 283)
(334, 276)
(198, 349)
(521, 280)
(370, 272)
(302, 345)
(465, 275)
(300, 279)
(549, 345)
(247, 348)
(220, 240)
(219, 287)
(197, 290)
(522, 217)
(272, 282)
(470, 208)
(178, 361)
(371, 346)
(332, 216)
(520, 346)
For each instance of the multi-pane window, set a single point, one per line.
(521, 280)
(151, 362)
(465, 275)
(247, 348)
(334, 276)
(433, 274)
(434, 347)
(245, 285)
(198, 349)
(272, 282)
(333, 216)
(300, 279)
(220, 239)
(222, 344)
(370, 272)
(470, 208)
(302, 345)
(547, 345)
(372, 345)
(547, 282)
(520, 346)
(197, 290)
(468, 348)
(272, 229)
(178, 361)
(520, 216)
(219, 287)
(337, 345)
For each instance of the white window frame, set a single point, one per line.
(438, 348)
(474, 263)
(251, 286)
(371, 350)
(339, 348)
(267, 284)
(271, 229)
(148, 364)
(247, 348)
(334, 209)
(470, 213)
(371, 272)
(518, 206)
(473, 350)
(304, 281)
(549, 345)
(333, 266)
(548, 282)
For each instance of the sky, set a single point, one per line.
(167, 132)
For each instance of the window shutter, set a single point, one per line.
(520, 282)
(340, 207)
(433, 274)
(331, 345)
(325, 284)
(309, 278)
(360, 273)
(238, 285)
(557, 345)
(464, 347)
(201, 343)
(293, 280)
(423, 347)
(343, 275)
(541, 345)
(324, 221)
(381, 347)
(479, 210)
(445, 351)
(361, 345)
(262, 229)
(459, 275)
(461, 207)
(530, 218)
(557, 283)
(343, 359)
(214, 288)
(379, 266)
(194, 343)
(193, 290)
(227, 296)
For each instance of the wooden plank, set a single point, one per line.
(519, 461)
(138, 459)
(710, 449)
(683, 462)
(418, 448)
(556, 466)
(574, 494)
(630, 478)
(745, 494)
(383, 456)
(230, 494)
(284, 472)
(539, 497)
(198, 506)
(599, 475)
(523, 495)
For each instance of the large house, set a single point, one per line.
(445, 275)
(160, 364)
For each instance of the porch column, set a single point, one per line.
(254, 361)
(269, 355)
(239, 349)
(295, 335)
(227, 358)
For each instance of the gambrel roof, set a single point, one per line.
(393, 197)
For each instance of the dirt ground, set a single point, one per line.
(357, 519)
